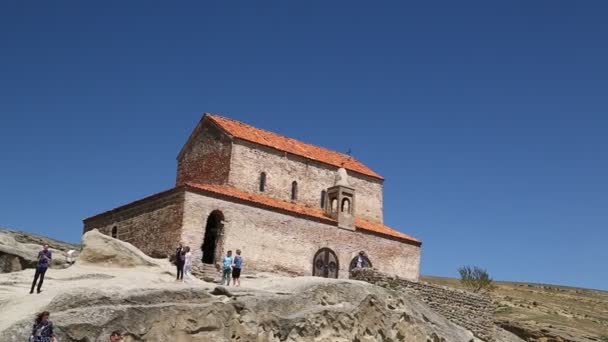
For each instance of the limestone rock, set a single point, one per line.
(19, 250)
(100, 249)
(112, 287)
(323, 312)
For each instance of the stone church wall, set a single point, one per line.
(470, 310)
(206, 157)
(275, 241)
(249, 161)
(152, 224)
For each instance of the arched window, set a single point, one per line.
(323, 194)
(334, 205)
(360, 261)
(114, 232)
(346, 205)
(262, 181)
(294, 190)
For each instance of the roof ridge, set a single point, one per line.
(282, 135)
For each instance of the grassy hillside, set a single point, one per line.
(540, 312)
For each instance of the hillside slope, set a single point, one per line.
(540, 312)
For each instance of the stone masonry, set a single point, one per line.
(152, 224)
(282, 224)
(472, 311)
(248, 162)
(273, 241)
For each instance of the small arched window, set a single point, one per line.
(294, 190)
(115, 232)
(346, 206)
(323, 194)
(262, 181)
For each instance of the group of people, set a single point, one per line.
(231, 267)
(42, 331)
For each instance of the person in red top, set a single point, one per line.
(44, 260)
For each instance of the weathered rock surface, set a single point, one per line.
(547, 313)
(88, 300)
(19, 250)
(103, 250)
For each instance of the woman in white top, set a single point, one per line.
(188, 263)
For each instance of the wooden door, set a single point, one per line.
(325, 264)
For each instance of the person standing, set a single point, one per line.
(44, 260)
(227, 268)
(237, 265)
(188, 263)
(179, 262)
(361, 260)
(42, 331)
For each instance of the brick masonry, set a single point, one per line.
(472, 311)
(205, 158)
(273, 241)
(249, 161)
(152, 224)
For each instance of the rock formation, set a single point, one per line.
(19, 250)
(102, 250)
(114, 286)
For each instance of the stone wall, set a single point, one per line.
(205, 158)
(470, 310)
(275, 241)
(152, 224)
(249, 161)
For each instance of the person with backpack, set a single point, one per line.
(227, 268)
(237, 265)
(44, 260)
(42, 331)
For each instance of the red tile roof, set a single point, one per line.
(296, 208)
(282, 143)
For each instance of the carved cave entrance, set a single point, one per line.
(213, 237)
(325, 264)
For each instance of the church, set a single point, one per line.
(290, 206)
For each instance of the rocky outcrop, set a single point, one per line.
(323, 312)
(112, 287)
(470, 310)
(100, 249)
(19, 250)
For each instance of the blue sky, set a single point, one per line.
(487, 119)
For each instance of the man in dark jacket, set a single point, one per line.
(179, 261)
(44, 260)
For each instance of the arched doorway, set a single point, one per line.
(213, 234)
(325, 264)
(365, 262)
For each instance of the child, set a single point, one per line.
(237, 265)
(227, 268)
